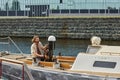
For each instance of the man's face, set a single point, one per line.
(37, 40)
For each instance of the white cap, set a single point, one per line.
(51, 38)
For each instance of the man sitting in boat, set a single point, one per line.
(37, 50)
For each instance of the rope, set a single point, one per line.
(15, 45)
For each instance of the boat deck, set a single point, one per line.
(66, 63)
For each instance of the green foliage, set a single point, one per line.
(6, 6)
(57, 7)
(15, 5)
(111, 8)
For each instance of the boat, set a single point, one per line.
(99, 62)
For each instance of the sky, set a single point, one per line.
(67, 4)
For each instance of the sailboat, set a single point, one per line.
(99, 62)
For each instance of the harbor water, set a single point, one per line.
(69, 47)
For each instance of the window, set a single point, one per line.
(93, 49)
(104, 64)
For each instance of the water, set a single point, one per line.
(69, 47)
(65, 46)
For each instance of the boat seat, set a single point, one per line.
(66, 58)
(42, 63)
(50, 64)
(26, 61)
(46, 64)
(65, 65)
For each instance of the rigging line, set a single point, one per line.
(15, 45)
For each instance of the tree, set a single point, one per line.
(57, 7)
(15, 5)
(109, 7)
(7, 6)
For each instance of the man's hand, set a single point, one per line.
(41, 55)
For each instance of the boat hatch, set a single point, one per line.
(93, 49)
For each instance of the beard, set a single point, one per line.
(37, 42)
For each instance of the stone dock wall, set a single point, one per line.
(76, 28)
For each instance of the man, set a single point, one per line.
(37, 50)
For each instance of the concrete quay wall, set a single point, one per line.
(75, 28)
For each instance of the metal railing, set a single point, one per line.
(25, 69)
(19, 7)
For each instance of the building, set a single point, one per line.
(38, 10)
(58, 7)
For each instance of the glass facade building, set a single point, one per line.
(59, 6)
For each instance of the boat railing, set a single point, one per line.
(25, 71)
(110, 53)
